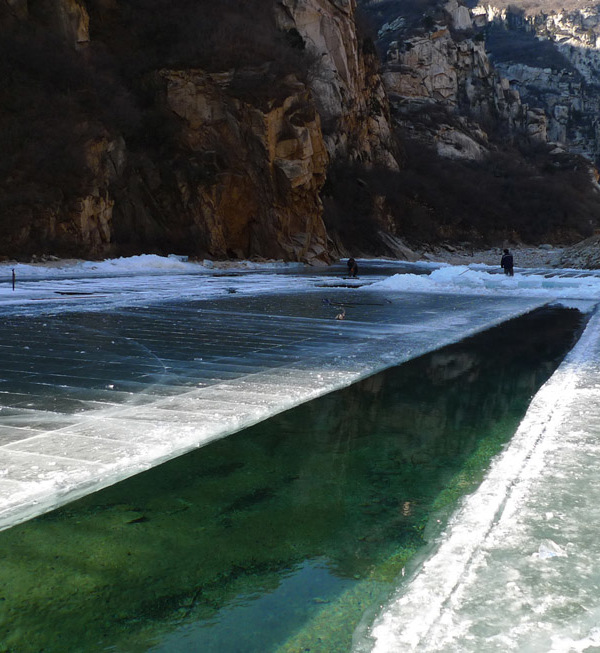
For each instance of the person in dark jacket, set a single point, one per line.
(352, 267)
(507, 263)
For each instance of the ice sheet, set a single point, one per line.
(142, 359)
(98, 285)
(97, 388)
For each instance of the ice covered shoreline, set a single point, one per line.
(526, 257)
(111, 281)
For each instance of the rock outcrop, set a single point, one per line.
(584, 255)
(268, 165)
(345, 81)
(531, 74)
(244, 180)
(239, 169)
(435, 68)
(450, 102)
(74, 225)
(554, 64)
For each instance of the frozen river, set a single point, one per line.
(107, 373)
(109, 369)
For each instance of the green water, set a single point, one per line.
(281, 537)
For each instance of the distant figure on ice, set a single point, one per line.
(352, 267)
(507, 263)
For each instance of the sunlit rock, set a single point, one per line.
(272, 166)
(461, 18)
(345, 83)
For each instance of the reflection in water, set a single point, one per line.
(281, 537)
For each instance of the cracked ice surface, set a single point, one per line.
(105, 374)
(517, 568)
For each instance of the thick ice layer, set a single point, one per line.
(92, 393)
(110, 367)
(517, 568)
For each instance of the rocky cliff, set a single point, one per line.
(551, 58)
(449, 97)
(170, 150)
(153, 126)
(448, 65)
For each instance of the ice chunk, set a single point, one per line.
(550, 549)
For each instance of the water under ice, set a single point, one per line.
(281, 537)
(517, 568)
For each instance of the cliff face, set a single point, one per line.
(530, 67)
(345, 82)
(480, 163)
(448, 66)
(244, 181)
(552, 59)
(240, 155)
(153, 126)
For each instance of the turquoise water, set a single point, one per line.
(284, 536)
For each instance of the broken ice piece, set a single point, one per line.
(550, 549)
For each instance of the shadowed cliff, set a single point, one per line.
(265, 129)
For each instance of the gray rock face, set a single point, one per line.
(346, 87)
(461, 17)
(567, 88)
(435, 68)
(535, 74)
(585, 254)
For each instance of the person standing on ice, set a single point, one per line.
(352, 267)
(507, 262)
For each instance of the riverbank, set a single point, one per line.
(525, 257)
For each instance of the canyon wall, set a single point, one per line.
(551, 57)
(280, 130)
(240, 172)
